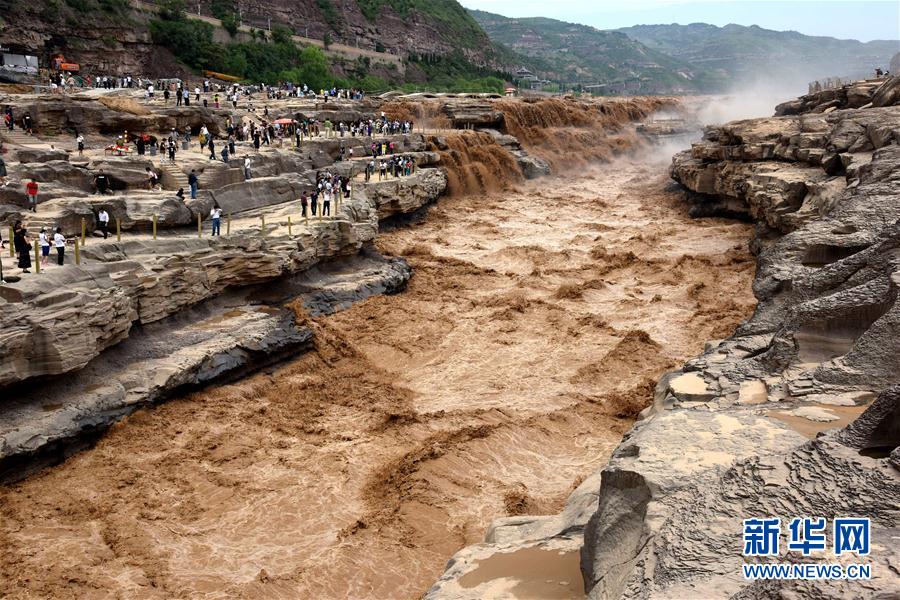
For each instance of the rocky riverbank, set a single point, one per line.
(752, 427)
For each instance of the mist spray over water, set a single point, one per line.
(752, 98)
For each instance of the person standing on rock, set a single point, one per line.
(31, 190)
(247, 173)
(326, 203)
(212, 149)
(59, 240)
(102, 182)
(216, 215)
(45, 247)
(193, 182)
(3, 172)
(79, 139)
(23, 247)
(103, 219)
(314, 201)
(173, 148)
(304, 204)
(28, 124)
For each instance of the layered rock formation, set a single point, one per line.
(137, 282)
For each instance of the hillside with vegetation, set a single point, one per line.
(574, 54)
(437, 45)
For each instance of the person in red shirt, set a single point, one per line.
(31, 190)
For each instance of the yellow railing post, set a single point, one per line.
(289, 226)
(77, 253)
(199, 225)
(83, 230)
(154, 227)
(262, 230)
(118, 229)
(37, 258)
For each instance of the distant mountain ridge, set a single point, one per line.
(735, 52)
(571, 52)
(679, 58)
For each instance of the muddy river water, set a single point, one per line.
(529, 337)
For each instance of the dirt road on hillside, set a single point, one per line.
(530, 335)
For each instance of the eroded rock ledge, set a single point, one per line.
(728, 436)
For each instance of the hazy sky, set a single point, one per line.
(863, 20)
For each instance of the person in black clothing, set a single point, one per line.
(304, 203)
(141, 145)
(102, 182)
(212, 149)
(314, 202)
(23, 247)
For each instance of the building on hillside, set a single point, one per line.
(528, 79)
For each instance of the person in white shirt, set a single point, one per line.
(216, 215)
(103, 219)
(45, 247)
(59, 240)
(247, 168)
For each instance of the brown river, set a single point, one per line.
(532, 332)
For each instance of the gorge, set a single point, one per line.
(336, 409)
